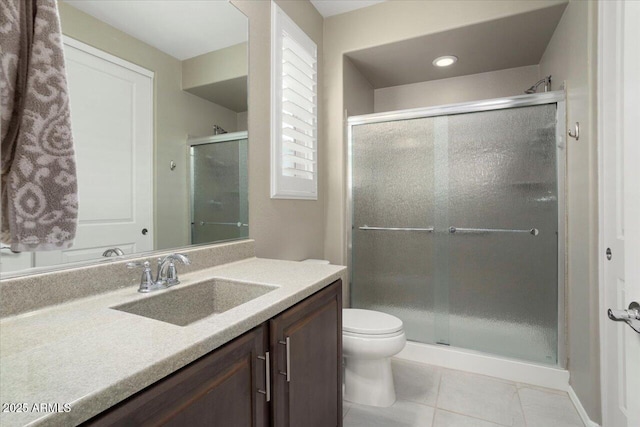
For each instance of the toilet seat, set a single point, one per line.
(372, 336)
(374, 324)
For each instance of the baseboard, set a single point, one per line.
(480, 363)
(581, 411)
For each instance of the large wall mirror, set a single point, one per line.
(158, 94)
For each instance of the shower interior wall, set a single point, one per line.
(575, 33)
(493, 84)
(360, 97)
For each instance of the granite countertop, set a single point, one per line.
(84, 356)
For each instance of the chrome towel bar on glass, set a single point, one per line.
(367, 228)
(235, 224)
(452, 230)
(532, 231)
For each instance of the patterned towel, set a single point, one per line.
(39, 189)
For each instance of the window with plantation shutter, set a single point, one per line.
(294, 110)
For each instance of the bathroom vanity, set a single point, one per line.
(95, 350)
(285, 372)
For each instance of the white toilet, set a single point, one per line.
(369, 340)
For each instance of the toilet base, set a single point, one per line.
(369, 381)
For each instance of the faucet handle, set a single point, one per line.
(146, 281)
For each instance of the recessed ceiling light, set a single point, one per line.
(445, 61)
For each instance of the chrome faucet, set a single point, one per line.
(113, 251)
(167, 273)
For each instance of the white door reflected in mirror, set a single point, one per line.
(145, 78)
(114, 155)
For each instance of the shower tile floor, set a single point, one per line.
(429, 396)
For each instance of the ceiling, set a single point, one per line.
(180, 28)
(335, 7)
(509, 42)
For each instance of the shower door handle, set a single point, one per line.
(367, 228)
(532, 231)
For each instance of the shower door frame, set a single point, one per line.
(555, 97)
(207, 140)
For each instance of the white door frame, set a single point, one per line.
(607, 50)
(614, 119)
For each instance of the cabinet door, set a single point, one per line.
(307, 391)
(220, 389)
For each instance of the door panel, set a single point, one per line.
(629, 349)
(620, 207)
(114, 156)
(220, 389)
(313, 395)
(10, 261)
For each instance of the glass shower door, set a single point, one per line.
(392, 245)
(503, 278)
(486, 277)
(219, 191)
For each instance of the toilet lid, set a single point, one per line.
(369, 322)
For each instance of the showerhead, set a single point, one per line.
(534, 88)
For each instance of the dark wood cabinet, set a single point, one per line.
(306, 344)
(228, 387)
(219, 389)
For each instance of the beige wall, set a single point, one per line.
(369, 27)
(571, 57)
(242, 121)
(219, 76)
(217, 66)
(285, 229)
(495, 84)
(358, 92)
(177, 114)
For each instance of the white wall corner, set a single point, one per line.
(581, 411)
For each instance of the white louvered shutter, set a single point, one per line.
(294, 106)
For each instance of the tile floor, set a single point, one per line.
(429, 396)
